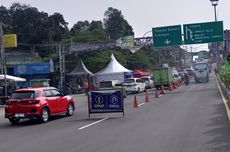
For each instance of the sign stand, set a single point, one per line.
(108, 101)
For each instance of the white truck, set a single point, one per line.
(201, 72)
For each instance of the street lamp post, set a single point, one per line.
(214, 4)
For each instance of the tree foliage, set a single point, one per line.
(34, 27)
(115, 24)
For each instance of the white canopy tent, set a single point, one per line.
(12, 78)
(113, 71)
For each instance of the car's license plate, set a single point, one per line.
(19, 115)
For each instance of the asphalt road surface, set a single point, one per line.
(189, 119)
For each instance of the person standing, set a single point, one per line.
(86, 86)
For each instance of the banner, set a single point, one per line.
(34, 68)
(125, 42)
(10, 40)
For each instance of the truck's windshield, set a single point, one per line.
(201, 66)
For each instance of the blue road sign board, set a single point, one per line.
(106, 101)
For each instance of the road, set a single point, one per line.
(190, 119)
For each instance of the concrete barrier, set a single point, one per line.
(225, 90)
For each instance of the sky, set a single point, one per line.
(142, 15)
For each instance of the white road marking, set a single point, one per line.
(141, 104)
(2, 112)
(86, 126)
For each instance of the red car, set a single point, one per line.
(38, 103)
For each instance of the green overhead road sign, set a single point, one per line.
(167, 36)
(203, 32)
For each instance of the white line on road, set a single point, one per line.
(2, 112)
(93, 123)
(141, 104)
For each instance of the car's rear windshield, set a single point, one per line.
(129, 81)
(200, 66)
(145, 79)
(105, 84)
(25, 94)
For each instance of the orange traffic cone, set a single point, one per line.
(174, 86)
(135, 103)
(170, 87)
(156, 94)
(146, 96)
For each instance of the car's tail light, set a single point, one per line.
(33, 101)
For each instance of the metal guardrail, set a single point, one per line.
(225, 90)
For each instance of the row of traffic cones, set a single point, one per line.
(171, 86)
(135, 105)
(158, 94)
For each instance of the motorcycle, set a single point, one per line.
(186, 80)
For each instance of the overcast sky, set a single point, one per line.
(142, 15)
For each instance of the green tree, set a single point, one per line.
(80, 26)
(115, 24)
(58, 26)
(28, 23)
(5, 19)
(95, 25)
(88, 32)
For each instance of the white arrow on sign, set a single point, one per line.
(167, 42)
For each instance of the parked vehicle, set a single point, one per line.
(6, 88)
(176, 76)
(182, 74)
(112, 85)
(190, 72)
(134, 85)
(41, 103)
(201, 72)
(148, 81)
(163, 77)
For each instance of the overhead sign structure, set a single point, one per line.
(167, 36)
(203, 32)
(105, 101)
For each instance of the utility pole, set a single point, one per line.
(3, 59)
(2, 49)
(62, 66)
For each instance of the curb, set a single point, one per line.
(225, 94)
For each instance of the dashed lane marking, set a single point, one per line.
(96, 122)
(141, 104)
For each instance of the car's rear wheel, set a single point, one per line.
(14, 120)
(70, 110)
(44, 115)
